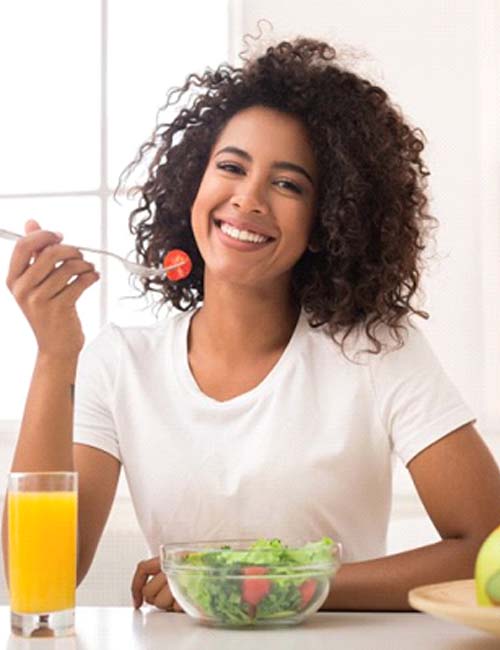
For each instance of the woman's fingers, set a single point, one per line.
(144, 570)
(31, 225)
(46, 278)
(24, 251)
(35, 288)
(156, 592)
(51, 258)
(56, 281)
(30, 284)
(165, 600)
(150, 585)
(71, 292)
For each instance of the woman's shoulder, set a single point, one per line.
(137, 336)
(382, 345)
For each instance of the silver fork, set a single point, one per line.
(138, 269)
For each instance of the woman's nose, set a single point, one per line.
(247, 204)
(249, 199)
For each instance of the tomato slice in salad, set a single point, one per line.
(253, 590)
(307, 590)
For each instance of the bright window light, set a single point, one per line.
(80, 94)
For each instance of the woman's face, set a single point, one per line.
(254, 210)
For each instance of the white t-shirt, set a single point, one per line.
(306, 453)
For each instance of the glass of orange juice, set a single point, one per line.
(42, 515)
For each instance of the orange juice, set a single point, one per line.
(42, 551)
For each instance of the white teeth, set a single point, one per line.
(243, 235)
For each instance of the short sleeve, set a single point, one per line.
(418, 403)
(93, 422)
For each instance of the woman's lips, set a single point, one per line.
(257, 229)
(238, 244)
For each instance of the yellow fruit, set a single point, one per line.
(487, 571)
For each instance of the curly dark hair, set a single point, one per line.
(371, 222)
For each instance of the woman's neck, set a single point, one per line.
(239, 324)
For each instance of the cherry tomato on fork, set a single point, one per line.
(176, 256)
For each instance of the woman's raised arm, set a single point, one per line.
(47, 278)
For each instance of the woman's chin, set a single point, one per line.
(227, 273)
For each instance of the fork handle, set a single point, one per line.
(8, 234)
(100, 252)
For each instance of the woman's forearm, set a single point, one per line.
(45, 440)
(383, 584)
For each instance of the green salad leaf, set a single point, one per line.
(232, 584)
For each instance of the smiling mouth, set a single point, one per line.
(247, 236)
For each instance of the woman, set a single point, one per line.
(270, 404)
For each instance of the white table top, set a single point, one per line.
(123, 628)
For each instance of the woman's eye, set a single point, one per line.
(288, 185)
(233, 168)
(230, 167)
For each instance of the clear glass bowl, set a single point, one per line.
(226, 583)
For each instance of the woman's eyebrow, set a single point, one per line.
(279, 164)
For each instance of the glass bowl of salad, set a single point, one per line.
(248, 583)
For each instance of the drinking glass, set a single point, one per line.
(42, 524)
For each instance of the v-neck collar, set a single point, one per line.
(185, 376)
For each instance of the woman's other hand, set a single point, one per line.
(46, 278)
(150, 585)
